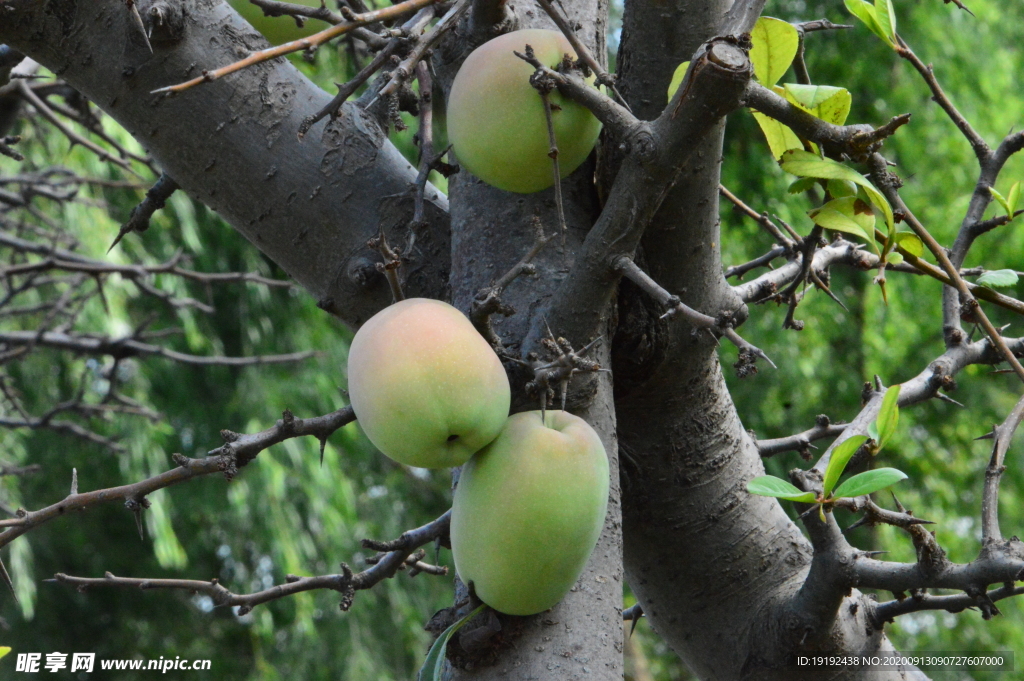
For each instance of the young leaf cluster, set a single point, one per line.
(879, 433)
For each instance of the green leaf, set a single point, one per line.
(780, 138)
(434, 664)
(841, 456)
(867, 13)
(805, 164)
(888, 415)
(826, 102)
(677, 79)
(873, 430)
(998, 278)
(911, 243)
(775, 43)
(840, 188)
(848, 214)
(894, 258)
(802, 185)
(771, 486)
(870, 481)
(1002, 200)
(4, 650)
(886, 20)
(1013, 198)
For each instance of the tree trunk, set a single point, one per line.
(718, 571)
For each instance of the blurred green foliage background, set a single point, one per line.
(288, 514)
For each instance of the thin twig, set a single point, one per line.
(404, 71)
(978, 144)
(488, 301)
(761, 218)
(39, 105)
(745, 365)
(129, 347)
(227, 459)
(348, 89)
(346, 583)
(801, 442)
(1002, 435)
(969, 305)
(601, 74)
(553, 155)
(309, 43)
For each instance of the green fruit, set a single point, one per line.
(278, 30)
(528, 511)
(426, 388)
(496, 120)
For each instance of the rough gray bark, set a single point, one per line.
(310, 205)
(721, 573)
(726, 608)
(491, 230)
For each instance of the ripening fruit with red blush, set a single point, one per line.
(426, 388)
(496, 121)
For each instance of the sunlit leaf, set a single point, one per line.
(771, 486)
(867, 13)
(886, 20)
(780, 138)
(894, 258)
(911, 243)
(831, 104)
(888, 415)
(841, 456)
(1001, 199)
(775, 43)
(1013, 198)
(848, 214)
(433, 665)
(998, 278)
(869, 481)
(805, 164)
(677, 79)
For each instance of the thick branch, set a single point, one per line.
(657, 153)
(855, 141)
(896, 577)
(310, 206)
(741, 17)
